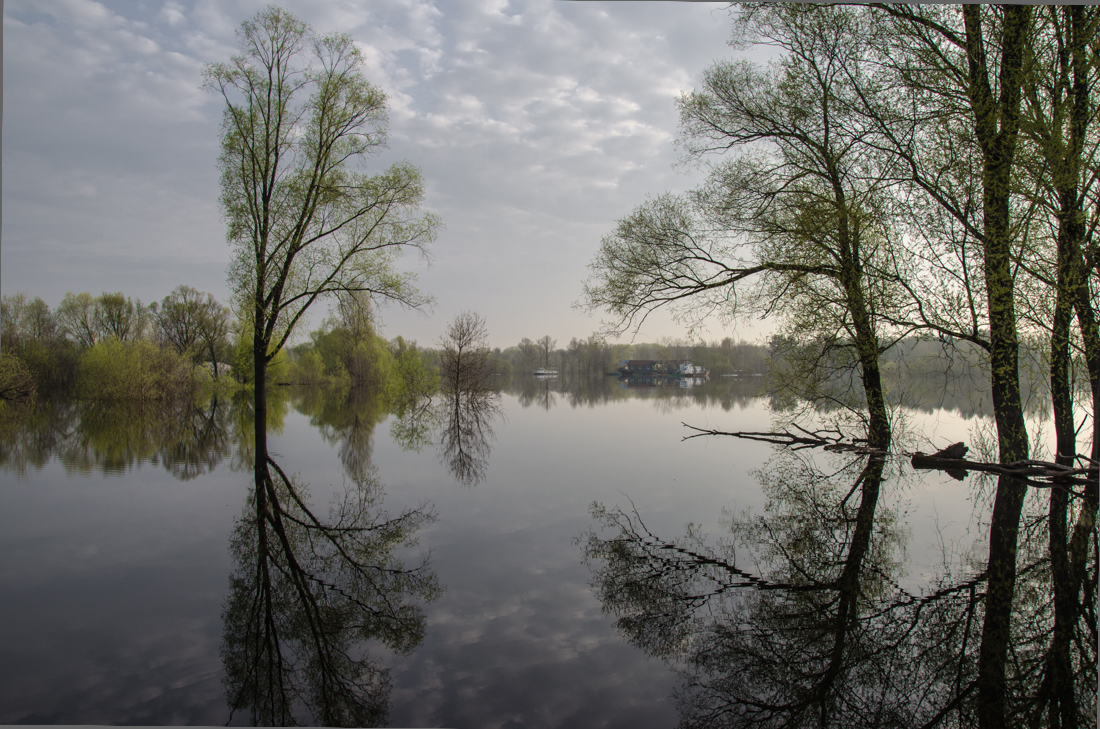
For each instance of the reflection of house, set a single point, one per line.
(634, 368)
(640, 380)
(691, 381)
(633, 382)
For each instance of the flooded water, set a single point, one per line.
(452, 571)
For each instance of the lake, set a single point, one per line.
(126, 554)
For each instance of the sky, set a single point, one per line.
(537, 125)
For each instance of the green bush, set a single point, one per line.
(363, 362)
(54, 363)
(17, 382)
(115, 370)
(309, 369)
(413, 376)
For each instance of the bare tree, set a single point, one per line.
(546, 346)
(465, 358)
(179, 319)
(214, 328)
(194, 324)
(76, 318)
(470, 401)
(529, 355)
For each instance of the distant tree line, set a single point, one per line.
(595, 356)
(112, 347)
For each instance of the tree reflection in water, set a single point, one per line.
(467, 419)
(459, 420)
(309, 597)
(797, 617)
(187, 437)
(311, 600)
(346, 418)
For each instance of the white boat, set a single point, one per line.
(541, 372)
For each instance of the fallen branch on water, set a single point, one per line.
(830, 440)
(1040, 474)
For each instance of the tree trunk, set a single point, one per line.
(259, 369)
(997, 124)
(1068, 558)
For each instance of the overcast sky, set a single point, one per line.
(537, 125)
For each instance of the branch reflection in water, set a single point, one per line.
(798, 617)
(311, 599)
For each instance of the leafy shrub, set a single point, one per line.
(413, 375)
(17, 383)
(53, 362)
(115, 370)
(309, 369)
(242, 361)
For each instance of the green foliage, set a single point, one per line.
(116, 370)
(17, 383)
(413, 377)
(350, 353)
(53, 362)
(11, 315)
(308, 369)
(241, 358)
(51, 344)
(29, 332)
(22, 321)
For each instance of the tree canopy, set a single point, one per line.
(303, 220)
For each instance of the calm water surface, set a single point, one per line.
(116, 533)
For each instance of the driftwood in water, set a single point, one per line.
(830, 440)
(1042, 474)
(1026, 470)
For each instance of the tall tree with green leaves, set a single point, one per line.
(304, 221)
(790, 219)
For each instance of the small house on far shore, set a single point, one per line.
(641, 366)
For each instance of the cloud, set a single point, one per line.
(537, 125)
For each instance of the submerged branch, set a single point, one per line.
(1035, 473)
(831, 440)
